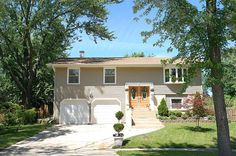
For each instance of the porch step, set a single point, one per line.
(144, 118)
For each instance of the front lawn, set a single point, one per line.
(180, 135)
(10, 135)
(165, 153)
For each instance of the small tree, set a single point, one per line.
(162, 108)
(198, 108)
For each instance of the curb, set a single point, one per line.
(168, 149)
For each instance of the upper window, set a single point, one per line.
(73, 76)
(174, 75)
(109, 75)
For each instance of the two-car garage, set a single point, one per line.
(76, 111)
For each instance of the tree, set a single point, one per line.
(34, 33)
(199, 34)
(162, 108)
(198, 107)
(229, 77)
(136, 54)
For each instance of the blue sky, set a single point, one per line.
(127, 31)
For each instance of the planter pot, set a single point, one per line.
(118, 141)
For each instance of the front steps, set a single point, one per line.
(144, 118)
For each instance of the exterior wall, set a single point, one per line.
(91, 81)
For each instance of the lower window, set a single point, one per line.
(176, 103)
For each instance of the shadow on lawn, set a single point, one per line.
(173, 153)
(198, 129)
(125, 142)
(175, 145)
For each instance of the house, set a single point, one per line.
(91, 90)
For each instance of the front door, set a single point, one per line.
(139, 96)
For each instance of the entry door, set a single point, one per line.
(139, 96)
(144, 96)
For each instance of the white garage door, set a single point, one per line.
(74, 112)
(104, 112)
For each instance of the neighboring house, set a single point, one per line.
(112, 84)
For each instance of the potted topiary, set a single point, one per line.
(118, 127)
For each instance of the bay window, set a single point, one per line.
(175, 75)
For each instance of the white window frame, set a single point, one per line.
(73, 68)
(170, 79)
(104, 69)
(177, 98)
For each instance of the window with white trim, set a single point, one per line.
(73, 76)
(109, 75)
(175, 75)
(176, 103)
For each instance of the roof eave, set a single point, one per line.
(103, 65)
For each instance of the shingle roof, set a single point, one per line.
(112, 60)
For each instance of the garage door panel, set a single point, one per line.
(105, 113)
(74, 112)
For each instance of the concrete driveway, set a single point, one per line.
(71, 140)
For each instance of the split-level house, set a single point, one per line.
(92, 90)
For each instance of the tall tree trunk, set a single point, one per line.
(27, 98)
(223, 138)
(214, 54)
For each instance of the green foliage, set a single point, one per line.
(39, 33)
(176, 113)
(189, 113)
(230, 101)
(229, 78)
(118, 127)
(184, 116)
(29, 116)
(15, 114)
(163, 117)
(211, 117)
(119, 115)
(173, 117)
(162, 108)
(135, 54)
(12, 114)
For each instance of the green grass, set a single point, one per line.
(165, 153)
(10, 135)
(180, 135)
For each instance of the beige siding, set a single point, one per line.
(91, 80)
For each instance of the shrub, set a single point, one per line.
(119, 115)
(12, 114)
(173, 117)
(29, 116)
(184, 116)
(163, 117)
(189, 113)
(176, 113)
(162, 108)
(118, 127)
(211, 117)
